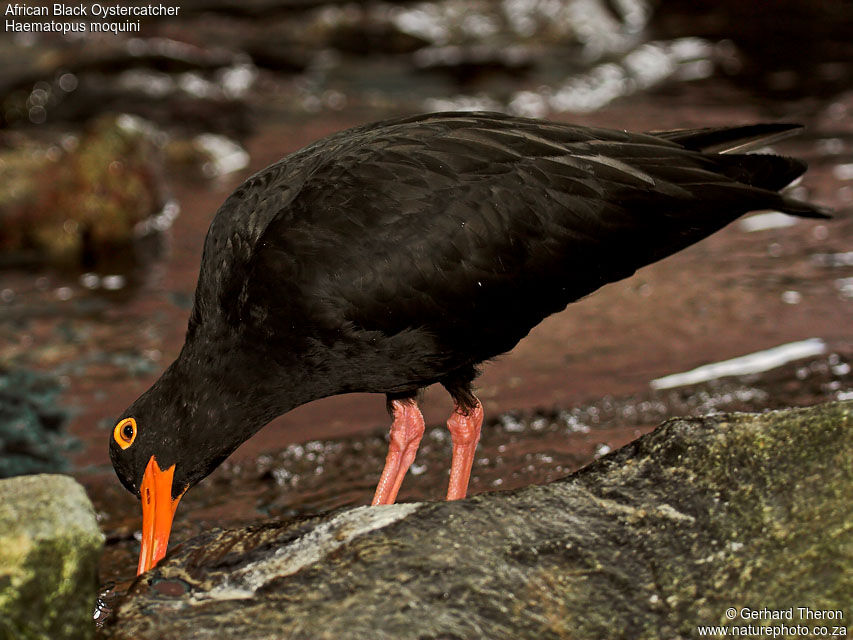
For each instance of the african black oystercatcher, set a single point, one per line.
(403, 253)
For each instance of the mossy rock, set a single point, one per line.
(83, 197)
(651, 541)
(50, 545)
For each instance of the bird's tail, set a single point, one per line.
(730, 139)
(764, 171)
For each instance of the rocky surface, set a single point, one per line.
(49, 549)
(658, 537)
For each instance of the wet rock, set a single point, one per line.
(651, 540)
(31, 423)
(368, 37)
(49, 550)
(277, 54)
(80, 199)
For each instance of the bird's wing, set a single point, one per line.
(475, 227)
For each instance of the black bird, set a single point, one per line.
(399, 254)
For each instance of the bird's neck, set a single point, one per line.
(226, 385)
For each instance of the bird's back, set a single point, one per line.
(447, 237)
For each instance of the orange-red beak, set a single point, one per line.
(158, 509)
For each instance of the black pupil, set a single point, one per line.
(127, 432)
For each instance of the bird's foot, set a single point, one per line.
(464, 429)
(406, 432)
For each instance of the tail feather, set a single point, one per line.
(761, 170)
(770, 173)
(803, 209)
(730, 139)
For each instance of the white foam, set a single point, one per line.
(744, 365)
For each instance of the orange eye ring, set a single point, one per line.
(125, 433)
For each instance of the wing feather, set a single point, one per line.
(469, 228)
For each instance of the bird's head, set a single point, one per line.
(172, 437)
(200, 410)
(149, 454)
(157, 487)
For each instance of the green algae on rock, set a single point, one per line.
(82, 198)
(49, 550)
(665, 534)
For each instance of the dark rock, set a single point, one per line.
(475, 62)
(658, 537)
(49, 550)
(372, 38)
(278, 54)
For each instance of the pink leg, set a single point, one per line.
(465, 433)
(406, 432)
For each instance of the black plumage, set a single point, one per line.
(399, 254)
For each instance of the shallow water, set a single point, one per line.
(579, 385)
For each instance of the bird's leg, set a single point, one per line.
(406, 432)
(464, 429)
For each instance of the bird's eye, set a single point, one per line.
(125, 433)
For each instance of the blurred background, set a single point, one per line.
(117, 148)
